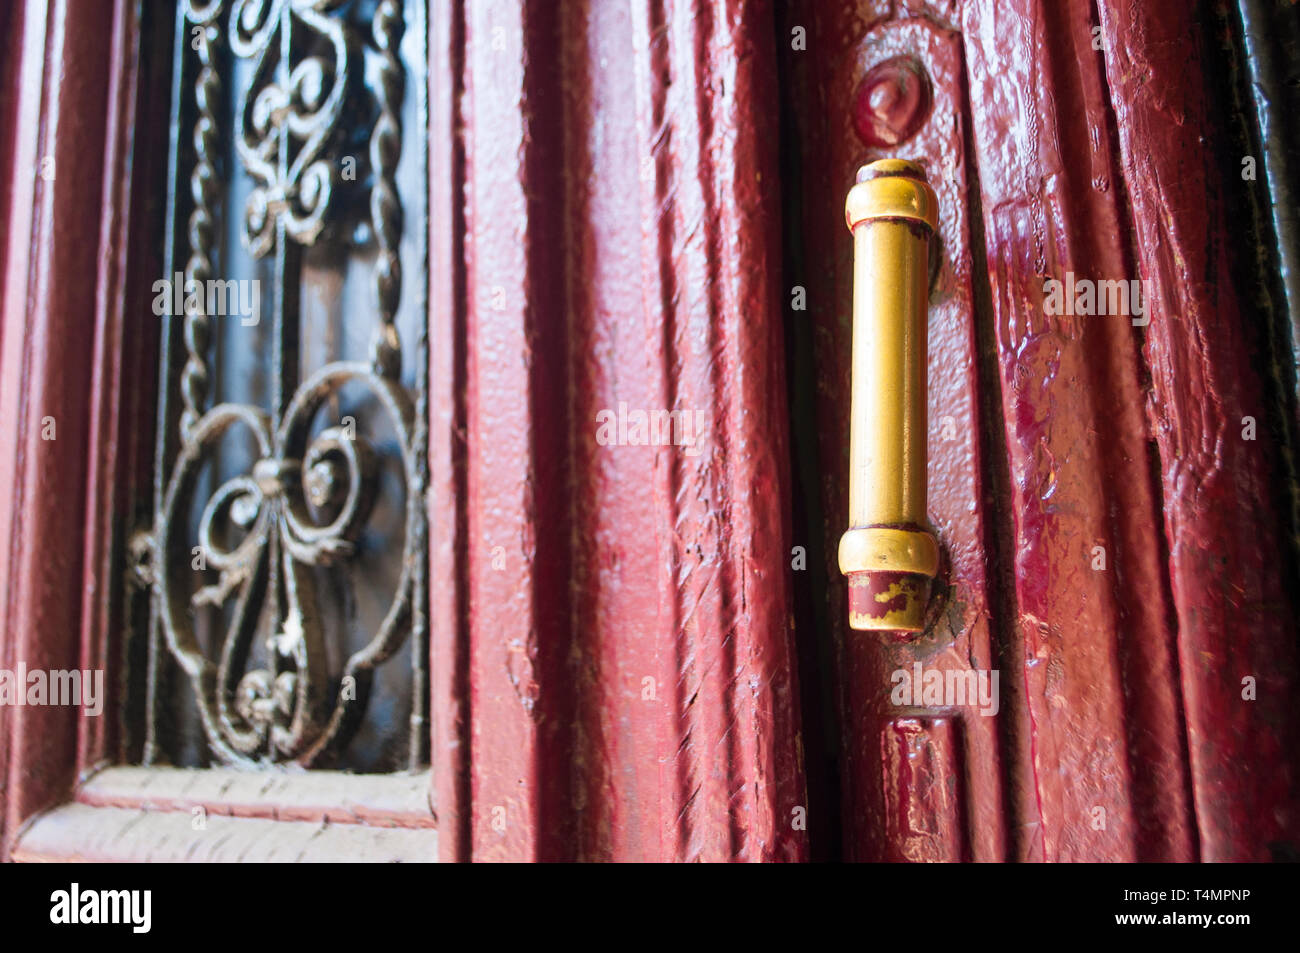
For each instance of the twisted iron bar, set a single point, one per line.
(204, 189)
(385, 205)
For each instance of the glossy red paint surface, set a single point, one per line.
(1102, 755)
(1236, 613)
(629, 690)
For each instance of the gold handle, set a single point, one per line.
(887, 554)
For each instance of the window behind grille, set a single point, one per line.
(276, 580)
(285, 569)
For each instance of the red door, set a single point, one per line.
(637, 302)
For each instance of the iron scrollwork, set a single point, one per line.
(263, 532)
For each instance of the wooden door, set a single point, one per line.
(621, 384)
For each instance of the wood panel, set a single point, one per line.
(448, 498)
(56, 186)
(79, 833)
(850, 53)
(630, 685)
(1093, 638)
(1233, 579)
(335, 797)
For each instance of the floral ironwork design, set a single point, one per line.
(308, 495)
(301, 105)
(292, 709)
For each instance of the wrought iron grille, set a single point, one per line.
(286, 562)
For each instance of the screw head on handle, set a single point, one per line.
(892, 101)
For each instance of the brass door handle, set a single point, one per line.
(887, 553)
